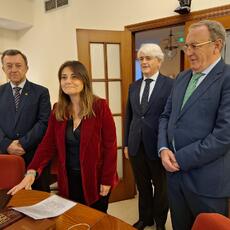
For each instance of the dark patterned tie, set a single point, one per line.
(145, 96)
(16, 96)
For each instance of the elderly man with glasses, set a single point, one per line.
(146, 101)
(194, 130)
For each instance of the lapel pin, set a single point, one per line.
(26, 94)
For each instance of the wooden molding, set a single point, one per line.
(181, 19)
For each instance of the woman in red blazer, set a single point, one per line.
(81, 133)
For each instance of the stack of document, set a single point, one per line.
(50, 207)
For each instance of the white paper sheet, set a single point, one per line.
(50, 207)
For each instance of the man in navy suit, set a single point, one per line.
(142, 115)
(24, 112)
(194, 130)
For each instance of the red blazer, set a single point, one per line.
(98, 152)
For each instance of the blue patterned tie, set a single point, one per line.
(16, 97)
(145, 95)
(191, 87)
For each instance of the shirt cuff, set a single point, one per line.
(159, 152)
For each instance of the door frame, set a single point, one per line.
(221, 13)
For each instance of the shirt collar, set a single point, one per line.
(208, 70)
(153, 77)
(21, 85)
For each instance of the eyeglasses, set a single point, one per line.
(194, 46)
(147, 58)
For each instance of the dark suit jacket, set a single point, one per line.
(144, 127)
(29, 123)
(98, 152)
(201, 131)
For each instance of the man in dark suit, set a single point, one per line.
(25, 109)
(146, 101)
(194, 130)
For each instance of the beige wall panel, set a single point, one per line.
(99, 89)
(114, 66)
(115, 96)
(97, 61)
(118, 123)
(120, 163)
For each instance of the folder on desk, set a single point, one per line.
(4, 198)
(9, 216)
(11, 219)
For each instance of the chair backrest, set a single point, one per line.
(212, 221)
(12, 170)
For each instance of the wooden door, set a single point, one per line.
(107, 56)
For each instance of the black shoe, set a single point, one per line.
(140, 225)
(160, 227)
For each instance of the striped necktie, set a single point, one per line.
(191, 87)
(16, 96)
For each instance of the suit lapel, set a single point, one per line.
(87, 130)
(10, 99)
(24, 98)
(156, 91)
(203, 87)
(137, 95)
(180, 91)
(60, 130)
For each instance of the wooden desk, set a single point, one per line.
(78, 214)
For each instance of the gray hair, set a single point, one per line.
(215, 28)
(152, 50)
(13, 52)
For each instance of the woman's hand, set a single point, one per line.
(25, 183)
(104, 190)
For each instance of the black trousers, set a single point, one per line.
(42, 183)
(76, 192)
(153, 206)
(186, 205)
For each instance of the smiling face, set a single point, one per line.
(202, 56)
(15, 68)
(71, 84)
(149, 65)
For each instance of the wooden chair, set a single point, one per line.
(212, 221)
(12, 170)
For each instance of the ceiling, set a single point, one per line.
(13, 25)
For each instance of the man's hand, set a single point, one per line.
(15, 148)
(126, 152)
(169, 161)
(104, 189)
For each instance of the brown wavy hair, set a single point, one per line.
(63, 108)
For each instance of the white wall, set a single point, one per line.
(52, 39)
(7, 39)
(17, 10)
